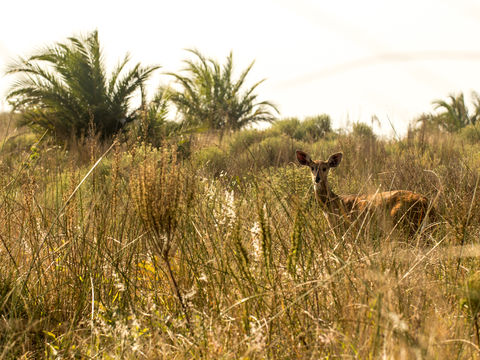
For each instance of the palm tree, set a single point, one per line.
(210, 98)
(475, 117)
(65, 89)
(455, 113)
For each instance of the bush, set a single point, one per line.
(310, 129)
(362, 130)
(314, 128)
(275, 151)
(212, 159)
(471, 133)
(287, 126)
(19, 143)
(153, 126)
(243, 139)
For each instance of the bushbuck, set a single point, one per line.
(398, 207)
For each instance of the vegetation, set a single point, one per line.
(167, 243)
(210, 98)
(65, 89)
(454, 113)
(147, 255)
(311, 128)
(153, 126)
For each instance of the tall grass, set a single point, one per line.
(155, 257)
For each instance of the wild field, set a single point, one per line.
(217, 249)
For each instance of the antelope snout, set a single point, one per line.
(317, 178)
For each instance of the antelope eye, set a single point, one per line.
(324, 169)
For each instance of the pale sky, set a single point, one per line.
(349, 59)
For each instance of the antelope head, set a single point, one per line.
(319, 169)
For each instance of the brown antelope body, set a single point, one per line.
(402, 207)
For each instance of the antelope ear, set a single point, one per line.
(303, 158)
(335, 159)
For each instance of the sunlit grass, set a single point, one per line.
(155, 257)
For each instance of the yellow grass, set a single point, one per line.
(153, 256)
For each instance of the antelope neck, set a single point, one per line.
(324, 194)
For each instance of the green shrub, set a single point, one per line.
(275, 151)
(19, 143)
(310, 129)
(287, 126)
(362, 130)
(471, 133)
(314, 128)
(243, 139)
(212, 159)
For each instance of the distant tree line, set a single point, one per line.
(66, 90)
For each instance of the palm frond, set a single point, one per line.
(64, 86)
(209, 95)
